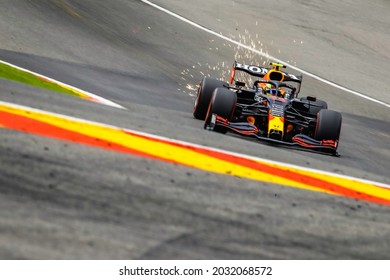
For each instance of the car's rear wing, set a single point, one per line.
(258, 71)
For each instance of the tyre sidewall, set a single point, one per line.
(328, 125)
(205, 93)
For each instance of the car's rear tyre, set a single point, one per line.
(315, 106)
(223, 103)
(328, 125)
(205, 92)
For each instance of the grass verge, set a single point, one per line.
(12, 73)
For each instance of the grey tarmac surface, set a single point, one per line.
(60, 200)
(347, 43)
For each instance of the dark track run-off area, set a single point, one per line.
(61, 200)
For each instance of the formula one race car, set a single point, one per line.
(270, 110)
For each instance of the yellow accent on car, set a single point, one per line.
(275, 124)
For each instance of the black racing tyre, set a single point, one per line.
(317, 105)
(328, 125)
(205, 92)
(223, 103)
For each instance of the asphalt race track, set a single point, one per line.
(62, 200)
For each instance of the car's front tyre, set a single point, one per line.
(223, 104)
(205, 92)
(328, 125)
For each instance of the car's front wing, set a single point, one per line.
(248, 129)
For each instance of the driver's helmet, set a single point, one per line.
(269, 88)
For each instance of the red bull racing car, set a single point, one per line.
(268, 110)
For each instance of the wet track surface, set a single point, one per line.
(63, 200)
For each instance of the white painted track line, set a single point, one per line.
(188, 144)
(362, 95)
